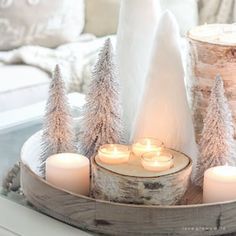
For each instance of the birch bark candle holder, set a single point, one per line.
(131, 183)
(188, 217)
(213, 52)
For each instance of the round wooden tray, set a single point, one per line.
(123, 219)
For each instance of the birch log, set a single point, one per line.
(212, 52)
(130, 183)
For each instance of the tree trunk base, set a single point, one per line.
(112, 183)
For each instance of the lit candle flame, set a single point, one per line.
(148, 144)
(115, 151)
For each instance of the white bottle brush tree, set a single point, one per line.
(164, 112)
(58, 135)
(217, 145)
(101, 122)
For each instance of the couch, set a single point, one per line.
(24, 83)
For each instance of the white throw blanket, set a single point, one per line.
(76, 59)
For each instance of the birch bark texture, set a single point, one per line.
(137, 24)
(101, 121)
(129, 183)
(58, 134)
(212, 53)
(164, 112)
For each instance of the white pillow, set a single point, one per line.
(101, 17)
(48, 23)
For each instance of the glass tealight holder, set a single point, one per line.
(114, 153)
(157, 161)
(144, 145)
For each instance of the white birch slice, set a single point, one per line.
(131, 183)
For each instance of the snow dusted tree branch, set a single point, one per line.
(101, 122)
(217, 145)
(58, 135)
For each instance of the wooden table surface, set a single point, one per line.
(17, 220)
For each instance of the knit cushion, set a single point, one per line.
(42, 22)
(102, 16)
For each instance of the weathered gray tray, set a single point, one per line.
(124, 219)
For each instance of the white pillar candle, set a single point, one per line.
(157, 161)
(69, 171)
(144, 145)
(114, 153)
(219, 184)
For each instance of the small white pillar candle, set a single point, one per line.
(69, 171)
(157, 161)
(144, 145)
(219, 184)
(114, 153)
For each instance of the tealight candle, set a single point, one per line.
(114, 153)
(69, 171)
(144, 145)
(157, 161)
(219, 184)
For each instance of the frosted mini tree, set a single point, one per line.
(217, 142)
(101, 122)
(58, 135)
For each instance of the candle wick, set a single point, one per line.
(148, 144)
(115, 151)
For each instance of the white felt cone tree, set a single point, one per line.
(164, 112)
(58, 135)
(137, 24)
(101, 122)
(217, 145)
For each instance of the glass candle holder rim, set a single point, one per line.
(123, 146)
(149, 138)
(171, 156)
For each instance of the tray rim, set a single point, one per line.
(100, 216)
(125, 204)
(116, 203)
